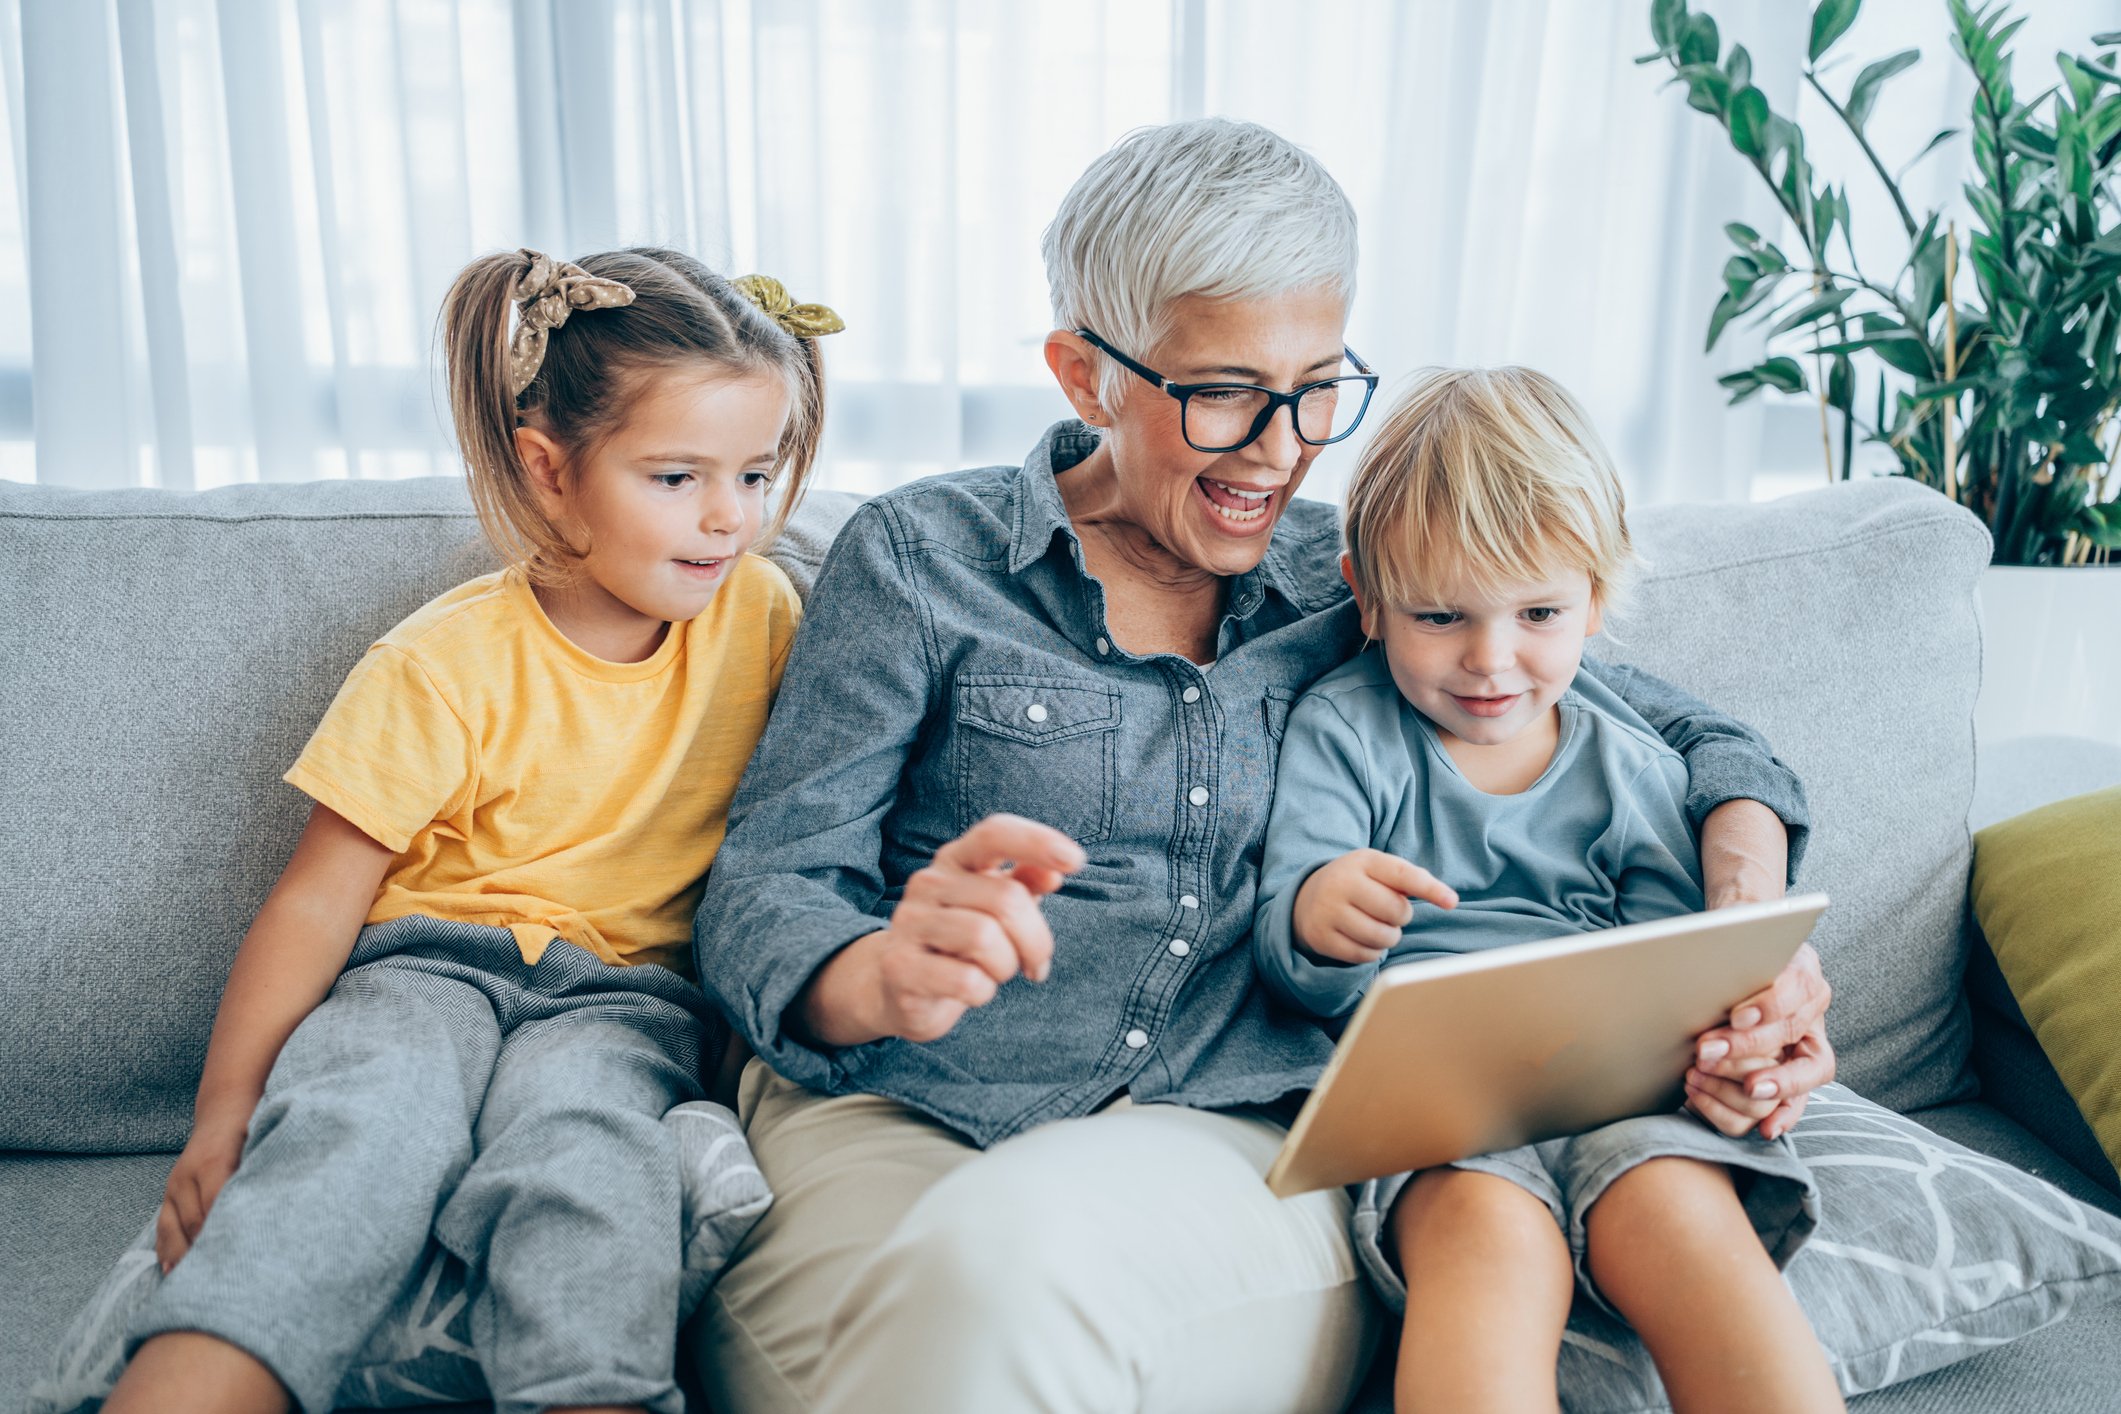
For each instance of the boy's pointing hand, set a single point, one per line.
(1353, 909)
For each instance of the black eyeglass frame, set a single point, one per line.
(1276, 401)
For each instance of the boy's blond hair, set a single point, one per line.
(1487, 475)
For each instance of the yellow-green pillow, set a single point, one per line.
(2047, 892)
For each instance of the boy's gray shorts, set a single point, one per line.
(1571, 1174)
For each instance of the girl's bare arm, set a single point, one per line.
(285, 966)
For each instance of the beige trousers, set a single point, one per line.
(1129, 1260)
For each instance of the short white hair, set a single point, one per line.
(1210, 207)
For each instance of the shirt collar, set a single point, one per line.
(1041, 515)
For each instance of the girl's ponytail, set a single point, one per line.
(475, 345)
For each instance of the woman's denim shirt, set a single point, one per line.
(954, 661)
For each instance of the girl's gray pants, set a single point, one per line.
(447, 1085)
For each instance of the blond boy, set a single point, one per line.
(1462, 784)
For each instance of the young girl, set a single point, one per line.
(467, 1002)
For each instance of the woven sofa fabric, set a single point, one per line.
(2070, 1368)
(1842, 624)
(64, 1218)
(167, 656)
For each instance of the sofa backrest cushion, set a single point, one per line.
(1841, 623)
(163, 658)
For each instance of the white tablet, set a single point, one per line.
(1451, 1057)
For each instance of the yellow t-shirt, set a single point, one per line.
(529, 785)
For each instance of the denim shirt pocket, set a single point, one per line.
(1045, 748)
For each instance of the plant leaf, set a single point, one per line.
(1733, 304)
(2030, 140)
(1865, 92)
(1829, 22)
(2078, 449)
(2081, 84)
(1708, 88)
(1832, 206)
(1931, 146)
(1925, 391)
(1748, 119)
(1726, 311)
(2097, 70)
(1902, 351)
(1784, 373)
(2099, 524)
(1699, 41)
(2104, 121)
(1810, 310)
(1666, 17)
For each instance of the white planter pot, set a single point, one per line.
(2051, 653)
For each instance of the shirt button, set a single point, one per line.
(1191, 694)
(1137, 1038)
(1104, 645)
(1036, 711)
(1179, 947)
(1188, 901)
(1198, 795)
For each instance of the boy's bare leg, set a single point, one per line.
(181, 1371)
(1489, 1283)
(1672, 1249)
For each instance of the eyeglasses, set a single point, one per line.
(1222, 417)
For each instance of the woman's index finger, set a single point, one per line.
(1015, 843)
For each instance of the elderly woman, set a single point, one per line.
(1017, 1087)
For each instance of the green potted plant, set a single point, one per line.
(1989, 365)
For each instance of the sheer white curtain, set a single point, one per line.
(226, 225)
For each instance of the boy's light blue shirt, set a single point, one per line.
(1599, 840)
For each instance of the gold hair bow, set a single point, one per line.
(805, 321)
(545, 295)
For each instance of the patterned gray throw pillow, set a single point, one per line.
(1927, 1253)
(421, 1354)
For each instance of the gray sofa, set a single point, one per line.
(162, 658)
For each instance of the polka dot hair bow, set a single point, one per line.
(545, 294)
